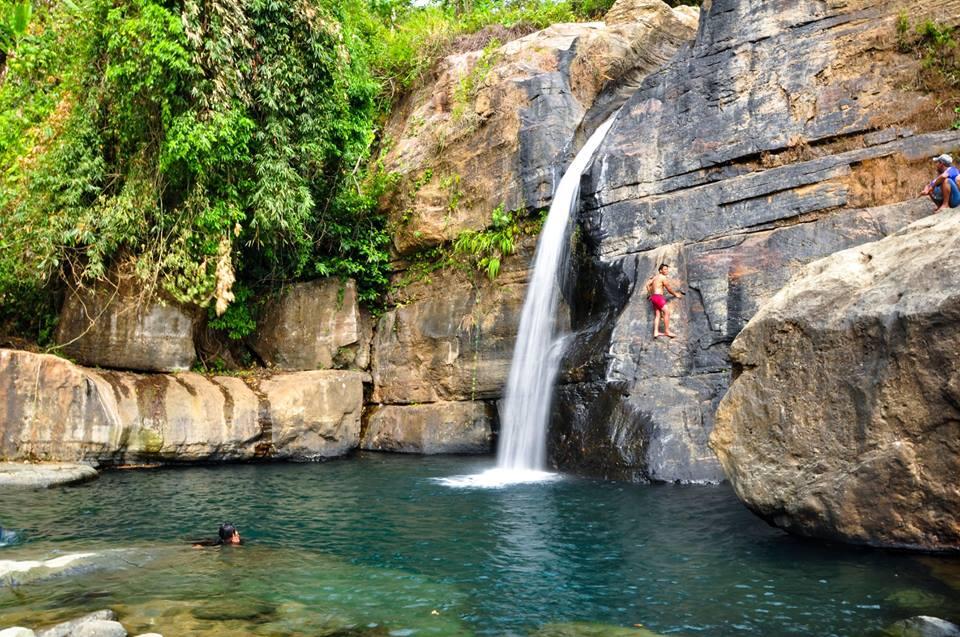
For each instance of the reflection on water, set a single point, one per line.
(375, 545)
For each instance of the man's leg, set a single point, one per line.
(656, 323)
(666, 322)
(954, 193)
(936, 196)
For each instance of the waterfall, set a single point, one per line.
(536, 356)
(521, 456)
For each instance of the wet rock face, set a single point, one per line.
(110, 325)
(458, 427)
(778, 137)
(311, 325)
(843, 421)
(55, 410)
(497, 126)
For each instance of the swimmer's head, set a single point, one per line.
(229, 534)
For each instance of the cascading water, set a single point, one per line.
(521, 456)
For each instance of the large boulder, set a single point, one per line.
(843, 418)
(56, 410)
(785, 132)
(114, 324)
(496, 126)
(311, 325)
(459, 427)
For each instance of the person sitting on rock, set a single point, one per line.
(945, 182)
(227, 534)
(655, 287)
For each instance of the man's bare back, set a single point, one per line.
(656, 283)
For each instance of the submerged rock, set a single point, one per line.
(587, 629)
(22, 572)
(41, 476)
(923, 626)
(241, 608)
(916, 600)
(843, 418)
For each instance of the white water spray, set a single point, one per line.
(521, 456)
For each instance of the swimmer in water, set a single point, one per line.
(227, 534)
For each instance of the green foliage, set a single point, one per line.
(240, 319)
(937, 47)
(487, 248)
(416, 37)
(14, 19)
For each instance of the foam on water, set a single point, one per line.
(498, 478)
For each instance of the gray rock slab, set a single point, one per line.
(310, 325)
(60, 411)
(16, 631)
(45, 475)
(452, 338)
(313, 415)
(111, 325)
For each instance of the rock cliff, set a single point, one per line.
(843, 421)
(778, 137)
(494, 128)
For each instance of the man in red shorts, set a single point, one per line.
(655, 287)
